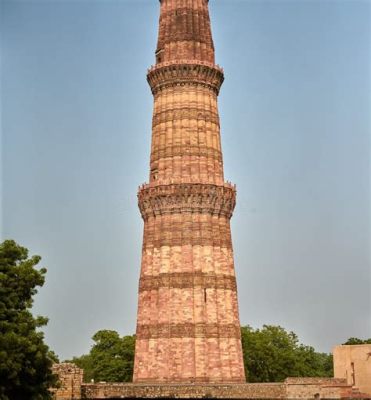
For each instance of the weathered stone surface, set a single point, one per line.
(183, 391)
(185, 31)
(70, 381)
(353, 363)
(292, 389)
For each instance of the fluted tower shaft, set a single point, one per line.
(188, 327)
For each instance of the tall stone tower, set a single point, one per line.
(188, 327)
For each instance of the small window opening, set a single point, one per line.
(205, 295)
(154, 174)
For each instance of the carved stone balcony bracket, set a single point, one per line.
(180, 198)
(185, 73)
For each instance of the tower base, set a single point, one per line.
(72, 388)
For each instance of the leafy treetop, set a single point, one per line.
(25, 361)
(272, 354)
(111, 358)
(354, 341)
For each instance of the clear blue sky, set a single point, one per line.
(295, 116)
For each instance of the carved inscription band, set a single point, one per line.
(185, 113)
(163, 76)
(188, 280)
(156, 331)
(150, 243)
(186, 150)
(156, 200)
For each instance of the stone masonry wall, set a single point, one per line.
(70, 381)
(312, 388)
(184, 391)
(353, 363)
(72, 388)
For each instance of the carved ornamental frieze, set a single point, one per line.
(183, 280)
(185, 113)
(186, 150)
(200, 330)
(180, 73)
(186, 198)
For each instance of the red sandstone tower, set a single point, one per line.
(188, 327)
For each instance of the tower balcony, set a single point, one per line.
(178, 198)
(182, 72)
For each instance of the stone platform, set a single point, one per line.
(184, 391)
(73, 388)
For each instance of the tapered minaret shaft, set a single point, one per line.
(188, 327)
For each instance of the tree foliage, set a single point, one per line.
(25, 360)
(111, 358)
(272, 354)
(354, 340)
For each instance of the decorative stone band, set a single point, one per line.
(151, 242)
(155, 331)
(185, 113)
(185, 150)
(181, 198)
(227, 385)
(183, 280)
(185, 73)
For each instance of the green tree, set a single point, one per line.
(354, 340)
(111, 358)
(25, 360)
(272, 354)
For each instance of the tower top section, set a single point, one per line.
(185, 32)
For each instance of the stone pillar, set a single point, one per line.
(188, 327)
(70, 380)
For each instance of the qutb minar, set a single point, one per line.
(188, 327)
(188, 338)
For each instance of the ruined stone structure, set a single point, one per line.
(70, 381)
(353, 363)
(352, 369)
(72, 388)
(188, 327)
